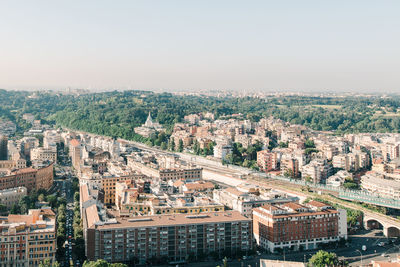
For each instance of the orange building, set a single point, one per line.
(32, 179)
(295, 226)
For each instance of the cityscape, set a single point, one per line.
(199, 133)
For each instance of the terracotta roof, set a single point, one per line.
(178, 183)
(293, 205)
(234, 191)
(199, 186)
(84, 193)
(74, 142)
(24, 170)
(317, 204)
(92, 215)
(385, 264)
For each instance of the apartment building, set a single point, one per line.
(296, 226)
(245, 202)
(11, 196)
(44, 154)
(32, 179)
(108, 185)
(267, 161)
(169, 237)
(166, 171)
(375, 183)
(318, 170)
(289, 166)
(28, 240)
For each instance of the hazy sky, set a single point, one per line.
(216, 44)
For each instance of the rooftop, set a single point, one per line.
(175, 219)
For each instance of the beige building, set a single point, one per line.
(11, 196)
(181, 172)
(27, 240)
(44, 154)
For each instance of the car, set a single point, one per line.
(244, 257)
(381, 244)
(258, 253)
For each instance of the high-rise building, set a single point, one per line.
(3, 147)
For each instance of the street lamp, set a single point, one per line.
(360, 256)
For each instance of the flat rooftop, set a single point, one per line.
(175, 219)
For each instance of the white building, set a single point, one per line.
(11, 196)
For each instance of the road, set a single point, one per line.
(64, 169)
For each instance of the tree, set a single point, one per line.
(164, 145)
(76, 197)
(180, 145)
(41, 198)
(323, 258)
(309, 143)
(171, 144)
(225, 261)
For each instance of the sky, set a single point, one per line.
(341, 45)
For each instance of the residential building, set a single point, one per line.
(28, 240)
(108, 184)
(32, 179)
(295, 226)
(44, 154)
(169, 237)
(11, 196)
(317, 170)
(245, 202)
(375, 183)
(267, 161)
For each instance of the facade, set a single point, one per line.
(109, 184)
(290, 166)
(318, 170)
(44, 154)
(245, 202)
(172, 238)
(267, 161)
(27, 240)
(383, 187)
(166, 174)
(11, 196)
(32, 179)
(295, 226)
(75, 151)
(13, 164)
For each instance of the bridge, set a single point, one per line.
(389, 225)
(352, 195)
